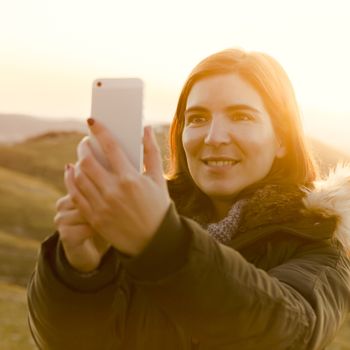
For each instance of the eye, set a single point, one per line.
(196, 119)
(241, 116)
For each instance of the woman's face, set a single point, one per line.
(228, 137)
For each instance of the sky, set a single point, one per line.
(51, 51)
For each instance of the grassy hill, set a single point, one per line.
(27, 207)
(14, 332)
(17, 258)
(27, 204)
(43, 156)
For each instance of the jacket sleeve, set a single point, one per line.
(321, 276)
(68, 310)
(224, 301)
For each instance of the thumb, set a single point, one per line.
(152, 156)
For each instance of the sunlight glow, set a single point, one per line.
(52, 50)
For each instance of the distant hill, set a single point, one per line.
(18, 127)
(43, 156)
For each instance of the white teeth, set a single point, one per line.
(220, 163)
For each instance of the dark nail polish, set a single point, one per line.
(91, 121)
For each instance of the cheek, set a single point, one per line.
(191, 141)
(260, 146)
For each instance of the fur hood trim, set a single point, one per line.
(331, 197)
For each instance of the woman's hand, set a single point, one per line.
(83, 247)
(124, 206)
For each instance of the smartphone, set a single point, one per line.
(118, 104)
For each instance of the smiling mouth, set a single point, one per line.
(220, 163)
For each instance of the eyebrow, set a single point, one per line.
(237, 107)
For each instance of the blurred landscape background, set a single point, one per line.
(33, 153)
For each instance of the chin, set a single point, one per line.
(221, 194)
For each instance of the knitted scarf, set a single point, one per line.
(271, 204)
(224, 230)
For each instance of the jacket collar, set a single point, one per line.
(330, 198)
(320, 213)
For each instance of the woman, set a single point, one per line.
(241, 249)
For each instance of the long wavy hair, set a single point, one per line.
(270, 80)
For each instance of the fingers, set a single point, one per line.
(83, 249)
(68, 217)
(91, 167)
(65, 203)
(152, 157)
(86, 186)
(77, 197)
(74, 236)
(67, 212)
(111, 148)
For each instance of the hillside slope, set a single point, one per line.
(14, 331)
(43, 157)
(27, 204)
(17, 258)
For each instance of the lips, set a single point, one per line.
(219, 161)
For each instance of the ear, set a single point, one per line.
(280, 148)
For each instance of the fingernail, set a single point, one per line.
(91, 121)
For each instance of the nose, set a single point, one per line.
(218, 133)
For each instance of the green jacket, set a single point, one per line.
(282, 283)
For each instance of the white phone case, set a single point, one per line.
(117, 103)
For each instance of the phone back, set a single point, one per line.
(117, 103)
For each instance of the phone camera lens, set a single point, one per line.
(99, 84)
